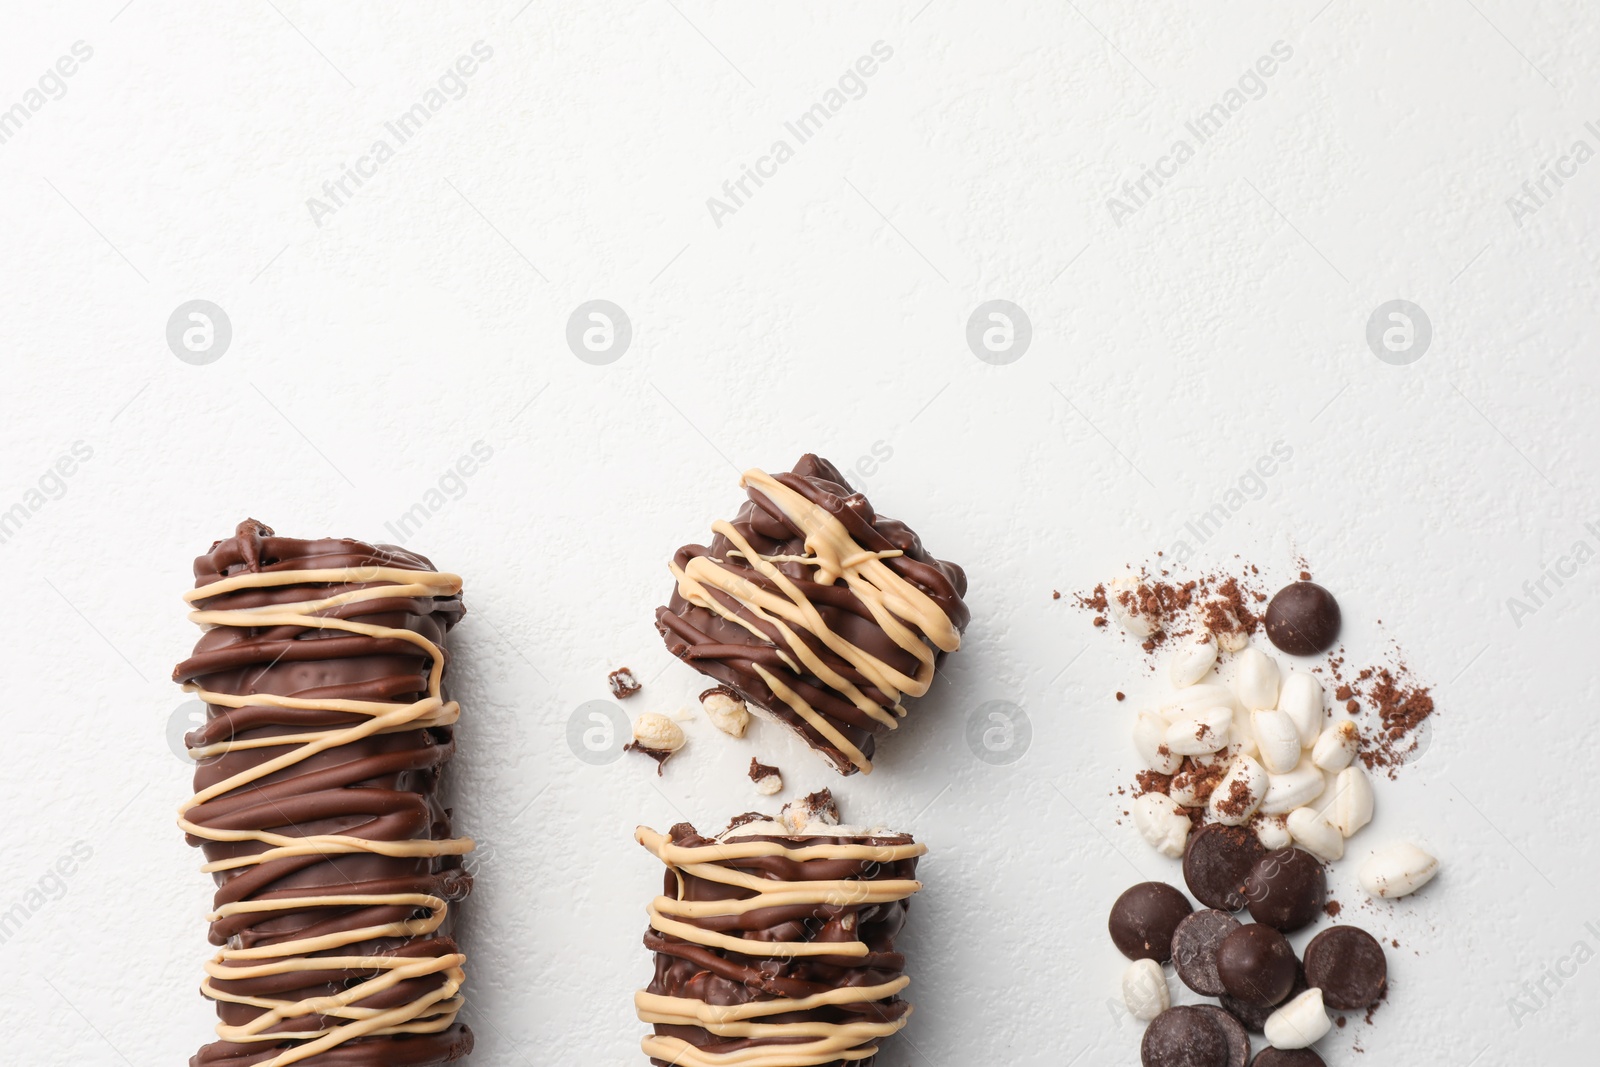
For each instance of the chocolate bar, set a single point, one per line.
(322, 669)
(774, 941)
(816, 610)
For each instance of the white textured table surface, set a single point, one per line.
(384, 331)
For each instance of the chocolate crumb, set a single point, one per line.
(1151, 782)
(759, 770)
(1121, 696)
(623, 683)
(658, 754)
(1382, 997)
(1201, 781)
(1238, 801)
(1402, 707)
(1217, 603)
(820, 806)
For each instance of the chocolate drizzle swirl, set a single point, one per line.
(322, 668)
(776, 949)
(817, 610)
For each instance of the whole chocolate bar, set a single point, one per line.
(816, 610)
(322, 668)
(774, 942)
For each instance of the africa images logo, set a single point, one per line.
(851, 85)
(1198, 131)
(51, 85)
(451, 85)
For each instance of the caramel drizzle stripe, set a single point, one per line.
(888, 597)
(779, 1030)
(794, 606)
(691, 1012)
(428, 1013)
(713, 873)
(819, 722)
(693, 591)
(682, 855)
(772, 949)
(823, 1050)
(828, 1041)
(880, 892)
(414, 927)
(798, 608)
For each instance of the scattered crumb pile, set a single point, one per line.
(1157, 608)
(1393, 709)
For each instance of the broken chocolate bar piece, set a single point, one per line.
(774, 944)
(816, 610)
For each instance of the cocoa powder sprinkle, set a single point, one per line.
(1217, 603)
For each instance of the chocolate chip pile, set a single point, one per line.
(1389, 710)
(1259, 753)
(1250, 967)
(1262, 750)
(1255, 785)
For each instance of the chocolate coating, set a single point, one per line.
(1254, 1016)
(1286, 889)
(1257, 964)
(721, 977)
(1194, 950)
(1217, 861)
(1183, 1037)
(1233, 1032)
(1348, 965)
(1303, 619)
(730, 653)
(1287, 1057)
(381, 787)
(1144, 919)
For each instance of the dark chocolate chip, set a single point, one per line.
(1254, 1016)
(1256, 964)
(1303, 619)
(1183, 1037)
(1194, 949)
(1233, 1033)
(1348, 965)
(1144, 918)
(1286, 889)
(1217, 862)
(1287, 1057)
